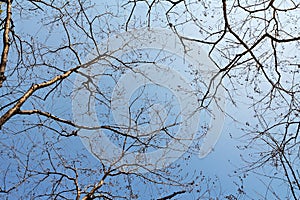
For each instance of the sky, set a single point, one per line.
(226, 159)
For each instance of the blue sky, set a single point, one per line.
(229, 156)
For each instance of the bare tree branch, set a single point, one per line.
(6, 42)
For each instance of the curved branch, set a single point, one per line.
(16, 108)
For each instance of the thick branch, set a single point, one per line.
(5, 42)
(96, 187)
(16, 108)
(172, 195)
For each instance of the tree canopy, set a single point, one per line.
(118, 99)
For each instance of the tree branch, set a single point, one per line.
(172, 195)
(16, 108)
(5, 42)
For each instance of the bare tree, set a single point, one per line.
(41, 148)
(50, 46)
(255, 46)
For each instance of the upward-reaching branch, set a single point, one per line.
(14, 110)
(5, 42)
